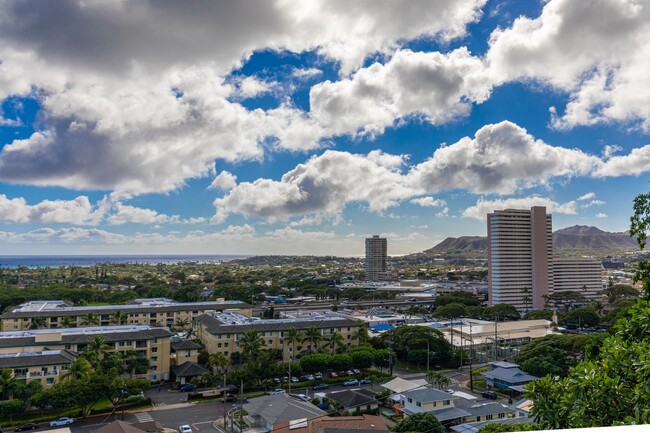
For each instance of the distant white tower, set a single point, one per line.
(376, 258)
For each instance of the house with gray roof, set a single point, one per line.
(434, 401)
(510, 377)
(353, 400)
(265, 411)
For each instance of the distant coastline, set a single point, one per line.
(52, 261)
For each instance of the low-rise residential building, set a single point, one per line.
(150, 342)
(184, 350)
(328, 424)
(435, 401)
(264, 412)
(188, 370)
(221, 332)
(355, 400)
(149, 311)
(506, 375)
(47, 366)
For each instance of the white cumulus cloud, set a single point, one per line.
(483, 207)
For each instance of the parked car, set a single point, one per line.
(61, 421)
(351, 382)
(188, 387)
(302, 397)
(356, 371)
(277, 380)
(365, 381)
(303, 378)
(333, 374)
(230, 398)
(321, 386)
(294, 380)
(27, 426)
(318, 376)
(185, 429)
(310, 377)
(351, 373)
(489, 394)
(278, 391)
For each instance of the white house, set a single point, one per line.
(434, 401)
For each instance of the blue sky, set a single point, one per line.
(302, 127)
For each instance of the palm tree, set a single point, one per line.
(336, 341)
(361, 334)
(79, 369)
(120, 318)
(135, 362)
(90, 319)
(436, 378)
(217, 362)
(314, 337)
(251, 343)
(68, 322)
(292, 336)
(37, 323)
(98, 346)
(7, 381)
(182, 324)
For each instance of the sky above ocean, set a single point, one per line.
(293, 127)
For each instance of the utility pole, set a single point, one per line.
(471, 340)
(428, 356)
(461, 344)
(496, 335)
(225, 404)
(241, 405)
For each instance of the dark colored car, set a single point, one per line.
(230, 398)
(188, 387)
(27, 426)
(321, 386)
(489, 394)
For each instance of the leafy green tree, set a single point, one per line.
(505, 428)
(217, 362)
(98, 346)
(26, 390)
(566, 299)
(583, 317)
(251, 343)
(9, 408)
(79, 369)
(467, 299)
(538, 315)
(315, 362)
(361, 335)
(503, 311)
(336, 342)
(405, 339)
(68, 322)
(419, 422)
(363, 358)
(339, 362)
(135, 362)
(617, 292)
(450, 311)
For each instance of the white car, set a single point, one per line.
(61, 421)
(278, 391)
(185, 429)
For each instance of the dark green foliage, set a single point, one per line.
(504, 428)
(503, 311)
(405, 339)
(583, 317)
(420, 422)
(539, 314)
(450, 311)
(466, 299)
(555, 354)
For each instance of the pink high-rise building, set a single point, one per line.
(520, 257)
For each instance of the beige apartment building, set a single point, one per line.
(160, 312)
(152, 343)
(520, 257)
(221, 332)
(47, 366)
(578, 275)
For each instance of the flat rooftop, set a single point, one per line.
(90, 330)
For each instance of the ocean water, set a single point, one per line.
(62, 261)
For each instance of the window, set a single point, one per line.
(219, 346)
(154, 359)
(502, 415)
(488, 417)
(435, 403)
(225, 344)
(446, 403)
(418, 404)
(154, 350)
(270, 342)
(410, 400)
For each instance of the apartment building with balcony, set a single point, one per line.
(520, 257)
(47, 366)
(582, 275)
(150, 311)
(152, 343)
(221, 332)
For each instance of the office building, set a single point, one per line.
(149, 342)
(578, 275)
(520, 257)
(151, 311)
(221, 332)
(376, 258)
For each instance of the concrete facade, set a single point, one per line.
(520, 257)
(578, 275)
(376, 258)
